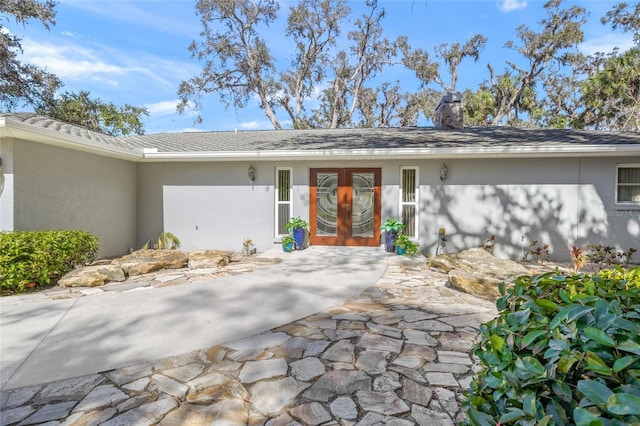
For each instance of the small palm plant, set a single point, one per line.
(165, 241)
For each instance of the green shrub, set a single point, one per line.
(29, 259)
(563, 350)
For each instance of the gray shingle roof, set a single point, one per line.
(44, 122)
(340, 139)
(390, 138)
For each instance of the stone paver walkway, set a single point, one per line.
(395, 354)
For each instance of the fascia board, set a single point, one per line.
(386, 154)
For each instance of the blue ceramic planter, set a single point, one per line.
(288, 248)
(298, 236)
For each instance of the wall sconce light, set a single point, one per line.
(443, 172)
(252, 175)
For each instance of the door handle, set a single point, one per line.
(348, 211)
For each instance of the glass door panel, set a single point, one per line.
(362, 204)
(327, 204)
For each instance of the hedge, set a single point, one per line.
(563, 350)
(34, 258)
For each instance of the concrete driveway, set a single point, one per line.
(47, 340)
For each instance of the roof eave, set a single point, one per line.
(403, 153)
(19, 130)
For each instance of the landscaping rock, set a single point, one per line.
(478, 272)
(208, 259)
(144, 261)
(475, 283)
(92, 276)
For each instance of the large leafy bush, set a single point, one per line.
(29, 259)
(563, 350)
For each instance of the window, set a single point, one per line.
(409, 200)
(283, 199)
(628, 184)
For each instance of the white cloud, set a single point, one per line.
(99, 63)
(129, 11)
(250, 125)
(186, 130)
(69, 61)
(607, 44)
(162, 108)
(511, 5)
(70, 34)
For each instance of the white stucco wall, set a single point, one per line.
(213, 206)
(6, 185)
(64, 189)
(556, 201)
(207, 205)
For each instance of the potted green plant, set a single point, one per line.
(287, 243)
(404, 245)
(391, 228)
(297, 226)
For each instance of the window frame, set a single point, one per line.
(277, 202)
(415, 203)
(626, 204)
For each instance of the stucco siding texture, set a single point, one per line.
(207, 205)
(6, 185)
(553, 201)
(565, 195)
(58, 189)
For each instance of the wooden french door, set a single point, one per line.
(345, 207)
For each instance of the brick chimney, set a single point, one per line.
(448, 114)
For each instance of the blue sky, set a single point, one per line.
(136, 52)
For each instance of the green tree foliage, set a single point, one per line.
(453, 54)
(561, 106)
(20, 83)
(625, 16)
(479, 107)
(428, 71)
(237, 63)
(94, 114)
(560, 33)
(25, 85)
(612, 95)
(611, 91)
(548, 83)
(313, 25)
(365, 58)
